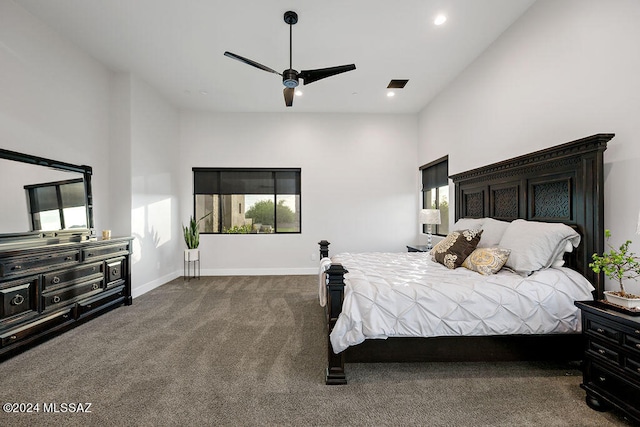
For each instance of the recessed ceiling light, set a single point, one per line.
(440, 19)
(391, 93)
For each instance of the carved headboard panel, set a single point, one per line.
(564, 184)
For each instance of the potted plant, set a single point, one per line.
(192, 238)
(619, 265)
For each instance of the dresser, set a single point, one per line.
(48, 288)
(611, 367)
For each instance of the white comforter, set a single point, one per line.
(407, 294)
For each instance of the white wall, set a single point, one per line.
(359, 183)
(155, 223)
(567, 69)
(54, 100)
(58, 102)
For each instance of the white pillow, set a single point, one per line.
(492, 233)
(468, 224)
(559, 262)
(536, 245)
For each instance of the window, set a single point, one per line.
(242, 201)
(435, 192)
(57, 205)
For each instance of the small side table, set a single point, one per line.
(191, 259)
(611, 366)
(417, 248)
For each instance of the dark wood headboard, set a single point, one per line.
(564, 184)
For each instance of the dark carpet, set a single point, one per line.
(251, 351)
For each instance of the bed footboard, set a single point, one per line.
(335, 374)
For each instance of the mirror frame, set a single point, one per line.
(53, 236)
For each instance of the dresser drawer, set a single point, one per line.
(26, 265)
(103, 252)
(114, 270)
(18, 297)
(633, 366)
(604, 352)
(34, 328)
(103, 300)
(71, 294)
(615, 387)
(632, 342)
(603, 330)
(62, 278)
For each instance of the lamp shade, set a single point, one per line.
(430, 216)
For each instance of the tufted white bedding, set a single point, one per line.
(407, 294)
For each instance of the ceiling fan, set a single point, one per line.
(290, 77)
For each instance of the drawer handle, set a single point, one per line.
(114, 271)
(13, 337)
(637, 345)
(600, 330)
(638, 331)
(89, 254)
(55, 280)
(88, 305)
(69, 258)
(17, 300)
(16, 267)
(601, 351)
(56, 299)
(95, 286)
(602, 379)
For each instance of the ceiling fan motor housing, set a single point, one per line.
(290, 78)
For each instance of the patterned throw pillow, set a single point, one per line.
(456, 247)
(486, 261)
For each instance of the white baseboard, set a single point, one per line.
(259, 271)
(143, 289)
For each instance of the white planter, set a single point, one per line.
(622, 301)
(191, 254)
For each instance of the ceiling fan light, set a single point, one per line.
(290, 78)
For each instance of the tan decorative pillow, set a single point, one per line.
(456, 247)
(486, 261)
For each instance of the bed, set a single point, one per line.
(552, 198)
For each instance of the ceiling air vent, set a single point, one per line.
(397, 84)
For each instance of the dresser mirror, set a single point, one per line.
(43, 199)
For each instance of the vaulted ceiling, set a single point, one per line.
(177, 47)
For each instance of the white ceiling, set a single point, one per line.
(177, 47)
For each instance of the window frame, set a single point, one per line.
(36, 209)
(292, 186)
(434, 176)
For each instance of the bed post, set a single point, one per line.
(335, 295)
(324, 249)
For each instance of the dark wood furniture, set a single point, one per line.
(53, 279)
(50, 288)
(417, 248)
(564, 184)
(611, 364)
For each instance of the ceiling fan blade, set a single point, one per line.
(250, 62)
(288, 96)
(310, 76)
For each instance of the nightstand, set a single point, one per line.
(611, 366)
(417, 248)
